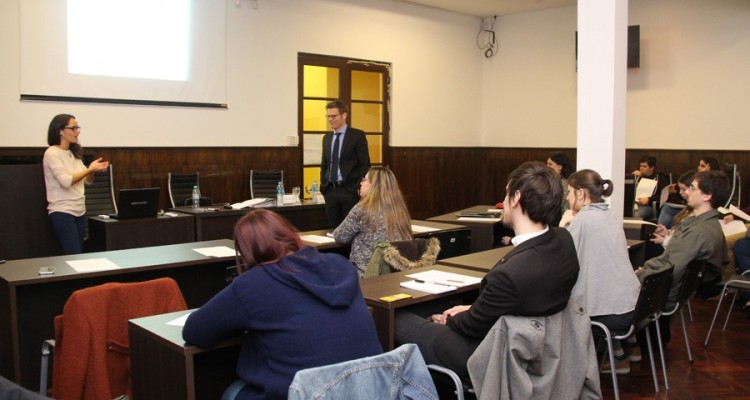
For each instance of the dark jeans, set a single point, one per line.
(412, 328)
(70, 231)
(339, 201)
(742, 254)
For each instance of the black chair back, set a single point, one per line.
(652, 298)
(263, 183)
(181, 187)
(691, 281)
(100, 195)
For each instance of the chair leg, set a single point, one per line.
(661, 354)
(731, 306)
(651, 358)
(454, 377)
(690, 311)
(47, 347)
(716, 313)
(684, 332)
(611, 352)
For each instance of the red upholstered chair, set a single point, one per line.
(92, 358)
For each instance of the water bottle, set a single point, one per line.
(196, 197)
(279, 194)
(315, 191)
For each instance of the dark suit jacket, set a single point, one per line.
(533, 279)
(353, 163)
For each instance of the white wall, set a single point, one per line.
(692, 90)
(436, 78)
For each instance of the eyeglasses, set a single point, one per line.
(73, 128)
(692, 188)
(332, 116)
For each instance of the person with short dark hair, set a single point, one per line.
(647, 169)
(698, 237)
(64, 178)
(533, 279)
(561, 164)
(708, 164)
(341, 173)
(297, 308)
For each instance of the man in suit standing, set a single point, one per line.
(345, 162)
(534, 279)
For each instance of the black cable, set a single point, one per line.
(490, 46)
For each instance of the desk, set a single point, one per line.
(29, 302)
(384, 313)
(486, 260)
(163, 367)
(454, 239)
(484, 234)
(210, 225)
(113, 234)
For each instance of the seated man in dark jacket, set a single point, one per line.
(533, 279)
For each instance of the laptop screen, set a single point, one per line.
(137, 203)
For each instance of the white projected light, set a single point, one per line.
(121, 38)
(146, 52)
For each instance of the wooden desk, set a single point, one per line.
(384, 313)
(486, 260)
(484, 234)
(113, 234)
(211, 225)
(29, 302)
(480, 261)
(454, 239)
(163, 367)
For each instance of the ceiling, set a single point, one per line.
(488, 8)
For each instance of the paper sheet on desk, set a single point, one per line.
(445, 278)
(422, 229)
(179, 321)
(317, 239)
(733, 227)
(480, 219)
(427, 287)
(92, 265)
(216, 251)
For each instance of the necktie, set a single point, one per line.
(335, 159)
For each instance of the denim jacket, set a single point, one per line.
(398, 374)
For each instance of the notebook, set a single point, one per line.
(137, 203)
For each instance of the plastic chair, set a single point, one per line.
(91, 337)
(263, 183)
(100, 194)
(651, 301)
(735, 194)
(691, 281)
(736, 283)
(524, 357)
(181, 187)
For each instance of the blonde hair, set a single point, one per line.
(385, 197)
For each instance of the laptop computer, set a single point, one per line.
(137, 203)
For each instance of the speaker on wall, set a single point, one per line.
(634, 46)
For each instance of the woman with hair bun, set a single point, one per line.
(607, 287)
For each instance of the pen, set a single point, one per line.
(434, 283)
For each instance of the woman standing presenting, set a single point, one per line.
(380, 216)
(64, 177)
